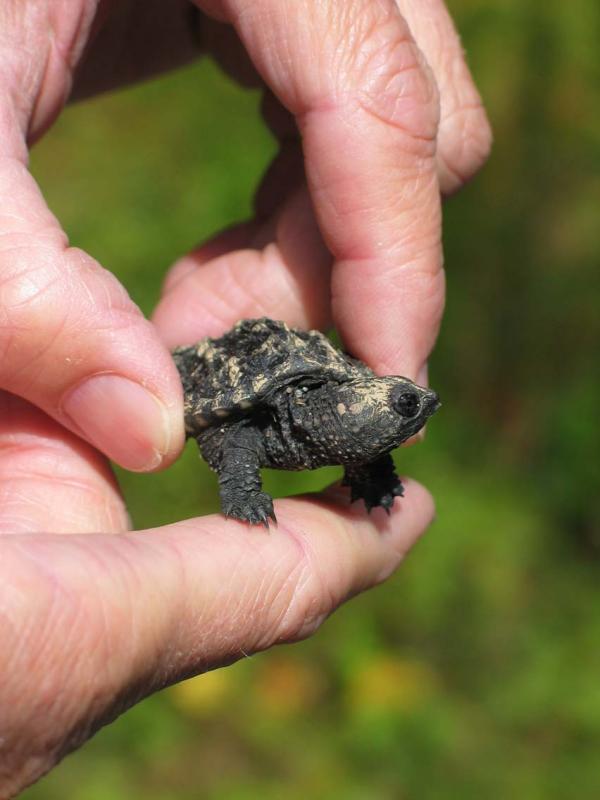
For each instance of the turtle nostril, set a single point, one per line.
(432, 402)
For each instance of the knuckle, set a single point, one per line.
(393, 81)
(305, 598)
(304, 613)
(31, 307)
(47, 293)
(102, 301)
(465, 144)
(27, 491)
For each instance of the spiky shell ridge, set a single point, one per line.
(238, 372)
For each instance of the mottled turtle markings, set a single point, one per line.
(266, 395)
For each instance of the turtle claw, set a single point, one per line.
(377, 496)
(255, 508)
(265, 517)
(376, 484)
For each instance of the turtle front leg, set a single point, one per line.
(375, 483)
(239, 477)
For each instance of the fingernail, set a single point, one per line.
(122, 419)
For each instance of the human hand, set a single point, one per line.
(374, 123)
(114, 617)
(90, 624)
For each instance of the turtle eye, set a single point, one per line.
(407, 404)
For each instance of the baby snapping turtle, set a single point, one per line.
(267, 395)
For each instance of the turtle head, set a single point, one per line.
(378, 414)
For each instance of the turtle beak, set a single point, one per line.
(430, 402)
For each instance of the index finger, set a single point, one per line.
(367, 110)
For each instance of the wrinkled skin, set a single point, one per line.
(389, 117)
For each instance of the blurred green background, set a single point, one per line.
(475, 672)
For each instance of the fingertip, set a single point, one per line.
(409, 517)
(399, 528)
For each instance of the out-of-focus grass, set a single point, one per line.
(474, 672)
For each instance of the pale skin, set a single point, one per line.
(92, 616)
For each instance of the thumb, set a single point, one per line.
(72, 341)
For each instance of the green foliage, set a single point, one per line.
(474, 672)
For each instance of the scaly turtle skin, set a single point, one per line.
(266, 395)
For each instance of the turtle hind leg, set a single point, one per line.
(240, 485)
(375, 483)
